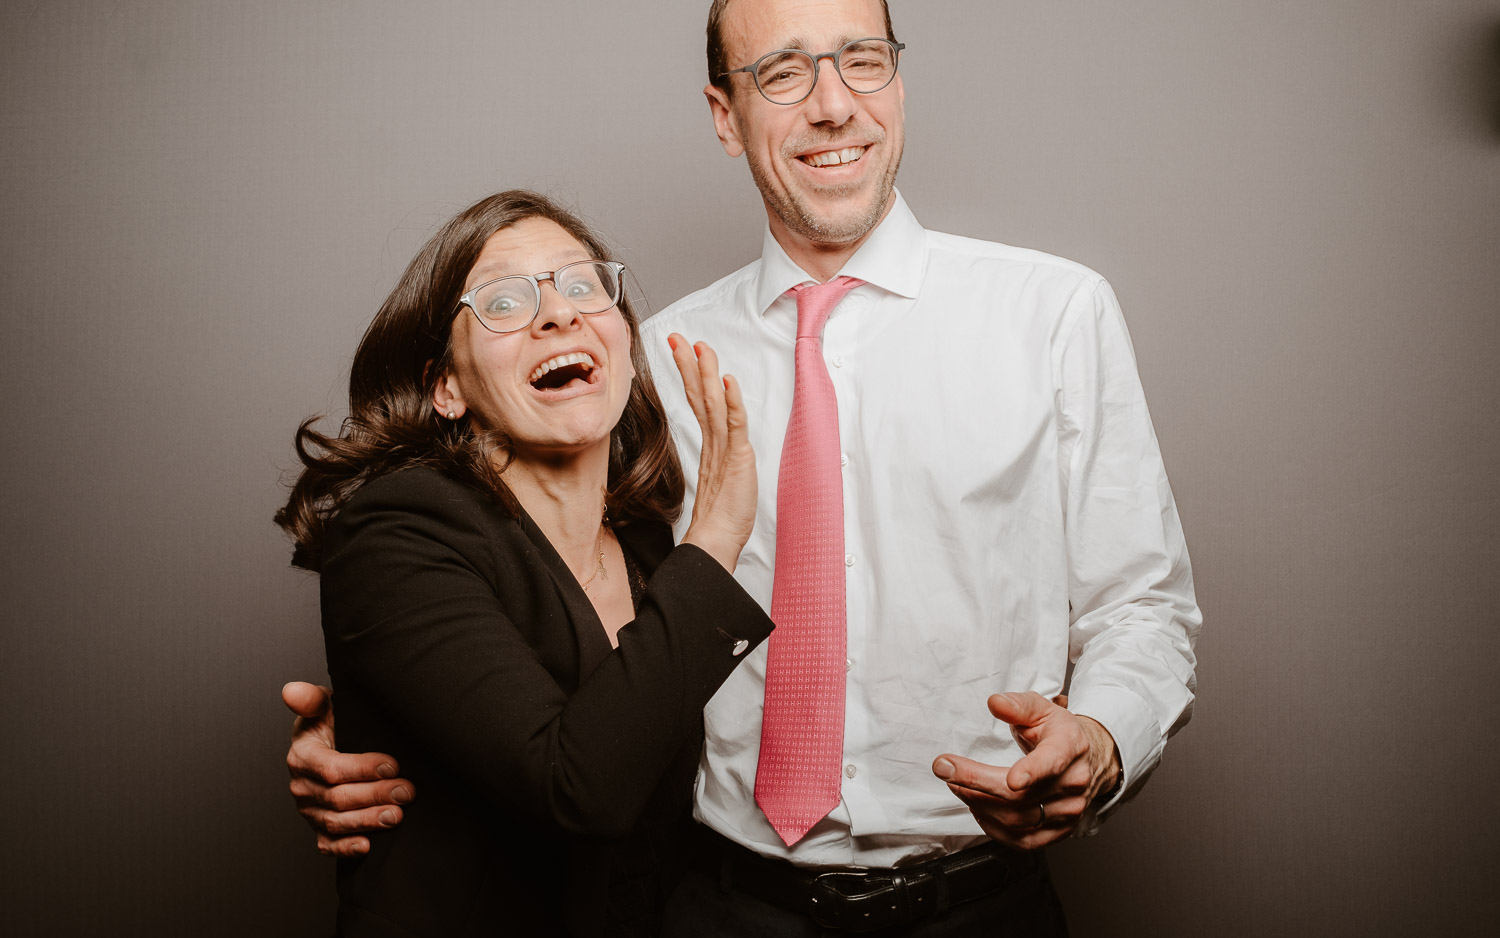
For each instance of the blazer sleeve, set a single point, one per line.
(412, 616)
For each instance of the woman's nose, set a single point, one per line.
(555, 311)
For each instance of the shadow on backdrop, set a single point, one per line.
(1487, 79)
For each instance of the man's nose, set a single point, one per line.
(831, 100)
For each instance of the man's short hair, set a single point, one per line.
(717, 65)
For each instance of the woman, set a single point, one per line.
(503, 608)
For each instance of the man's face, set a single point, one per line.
(825, 167)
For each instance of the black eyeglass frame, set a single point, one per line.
(469, 299)
(816, 57)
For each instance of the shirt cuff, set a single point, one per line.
(1138, 739)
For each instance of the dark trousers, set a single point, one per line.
(707, 905)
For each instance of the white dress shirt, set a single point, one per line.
(1006, 519)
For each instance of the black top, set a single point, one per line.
(553, 773)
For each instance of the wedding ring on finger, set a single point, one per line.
(1041, 814)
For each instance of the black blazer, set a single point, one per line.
(552, 773)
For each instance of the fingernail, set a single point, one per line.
(672, 342)
(387, 819)
(385, 770)
(944, 769)
(1023, 780)
(401, 794)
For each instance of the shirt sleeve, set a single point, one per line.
(413, 620)
(1134, 618)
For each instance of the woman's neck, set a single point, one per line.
(565, 497)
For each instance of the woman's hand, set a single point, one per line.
(724, 508)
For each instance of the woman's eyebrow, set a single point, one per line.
(494, 271)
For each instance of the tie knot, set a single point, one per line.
(816, 300)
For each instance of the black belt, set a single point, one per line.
(859, 900)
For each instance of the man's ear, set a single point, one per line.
(448, 398)
(726, 125)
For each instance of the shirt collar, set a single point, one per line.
(893, 258)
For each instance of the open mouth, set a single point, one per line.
(833, 157)
(574, 370)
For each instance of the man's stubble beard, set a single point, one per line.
(800, 220)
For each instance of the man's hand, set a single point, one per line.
(1068, 761)
(339, 795)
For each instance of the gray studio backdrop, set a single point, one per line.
(201, 205)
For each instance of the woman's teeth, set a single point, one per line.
(573, 358)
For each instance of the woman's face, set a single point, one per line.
(500, 379)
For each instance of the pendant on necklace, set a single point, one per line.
(599, 568)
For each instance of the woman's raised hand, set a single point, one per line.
(724, 508)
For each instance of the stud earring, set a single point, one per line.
(452, 415)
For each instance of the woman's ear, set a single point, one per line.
(447, 397)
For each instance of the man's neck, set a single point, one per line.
(821, 259)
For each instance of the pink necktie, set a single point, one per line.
(802, 734)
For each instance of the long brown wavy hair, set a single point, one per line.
(392, 424)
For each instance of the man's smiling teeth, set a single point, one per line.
(835, 157)
(574, 358)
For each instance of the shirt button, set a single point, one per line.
(843, 459)
(848, 560)
(848, 664)
(850, 771)
(838, 361)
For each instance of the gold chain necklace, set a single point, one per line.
(599, 549)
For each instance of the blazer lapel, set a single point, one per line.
(588, 632)
(649, 543)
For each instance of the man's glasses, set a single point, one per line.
(787, 76)
(511, 303)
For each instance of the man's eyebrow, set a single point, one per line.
(800, 44)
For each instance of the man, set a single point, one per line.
(989, 487)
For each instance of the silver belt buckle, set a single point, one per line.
(868, 901)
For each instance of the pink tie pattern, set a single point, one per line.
(802, 734)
